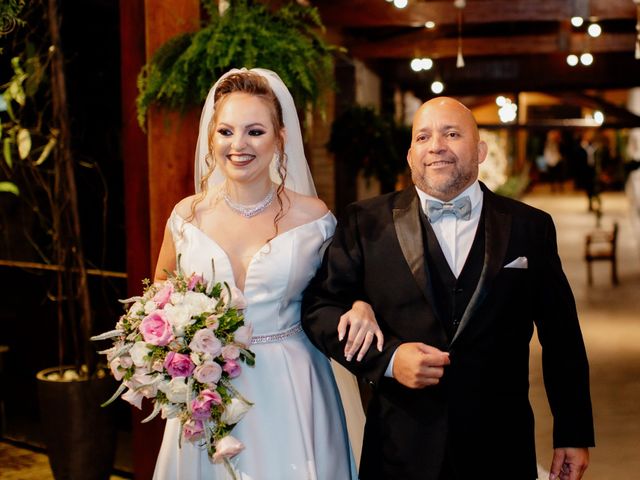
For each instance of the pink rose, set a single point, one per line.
(227, 447)
(237, 299)
(178, 364)
(156, 329)
(242, 335)
(192, 429)
(194, 280)
(232, 367)
(208, 372)
(201, 405)
(161, 298)
(230, 352)
(205, 341)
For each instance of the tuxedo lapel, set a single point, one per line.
(406, 220)
(497, 229)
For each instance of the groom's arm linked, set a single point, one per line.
(337, 285)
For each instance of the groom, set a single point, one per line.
(457, 288)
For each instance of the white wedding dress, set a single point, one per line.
(296, 429)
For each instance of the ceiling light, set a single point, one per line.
(508, 112)
(572, 60)
(430, 24)
(586, 59)
(500, 100)
(594, 30)
(400, 3)
(418, 64)
(577, 21)
(437, 87)
(426, 63)
(598, 117)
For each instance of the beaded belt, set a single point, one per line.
(276, 337)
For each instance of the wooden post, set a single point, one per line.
(158, 168)
(171, 136)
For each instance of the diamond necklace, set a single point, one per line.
(248, 211)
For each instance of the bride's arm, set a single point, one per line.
(363, 328)
(166, 257)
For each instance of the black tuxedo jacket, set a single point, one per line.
(478, 418)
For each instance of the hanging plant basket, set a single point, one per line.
(248, 34)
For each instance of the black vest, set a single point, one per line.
(452, 294)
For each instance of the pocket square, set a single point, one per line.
(520, 262)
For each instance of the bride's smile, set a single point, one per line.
(245, 139)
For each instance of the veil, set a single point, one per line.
(299, 180)
(298, 174)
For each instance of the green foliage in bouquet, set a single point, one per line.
(249, 34)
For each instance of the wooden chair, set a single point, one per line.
(600, 245)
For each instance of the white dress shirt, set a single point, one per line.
(454, 235)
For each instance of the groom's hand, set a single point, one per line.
(569, 463)
(417, 365)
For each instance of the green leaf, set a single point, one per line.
(24, 143)
(7, 152)
(47, 149)
(9, 187)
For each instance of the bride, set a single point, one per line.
(257, 217)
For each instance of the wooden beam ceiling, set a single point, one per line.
(378, 13)
(507, 44)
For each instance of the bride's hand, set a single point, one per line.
(363, 327)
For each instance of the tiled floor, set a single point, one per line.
(610, 318)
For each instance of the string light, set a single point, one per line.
(572, 60)
(437, 87)
(508, 110)
(400, 3)
(594, 30)
(577, 21)
(598, 117)
(586, 59)
(418, 64)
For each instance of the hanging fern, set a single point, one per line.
(249, 35)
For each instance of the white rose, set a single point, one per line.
(149, 307)
(179, 317)
(133, 397)
(136, 307)
(115, 365)
(242, 335)
(198, 302)
(176, 298)
(234, 411)
(138, 352)
(195, 358)
(175, 390)
(169, 410)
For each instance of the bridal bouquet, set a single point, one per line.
(179, 344)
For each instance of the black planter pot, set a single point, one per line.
(80, 434)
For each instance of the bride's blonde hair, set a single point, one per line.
(255, 85)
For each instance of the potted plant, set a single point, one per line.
(240, 33)
(364, 141)
(36, 140)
